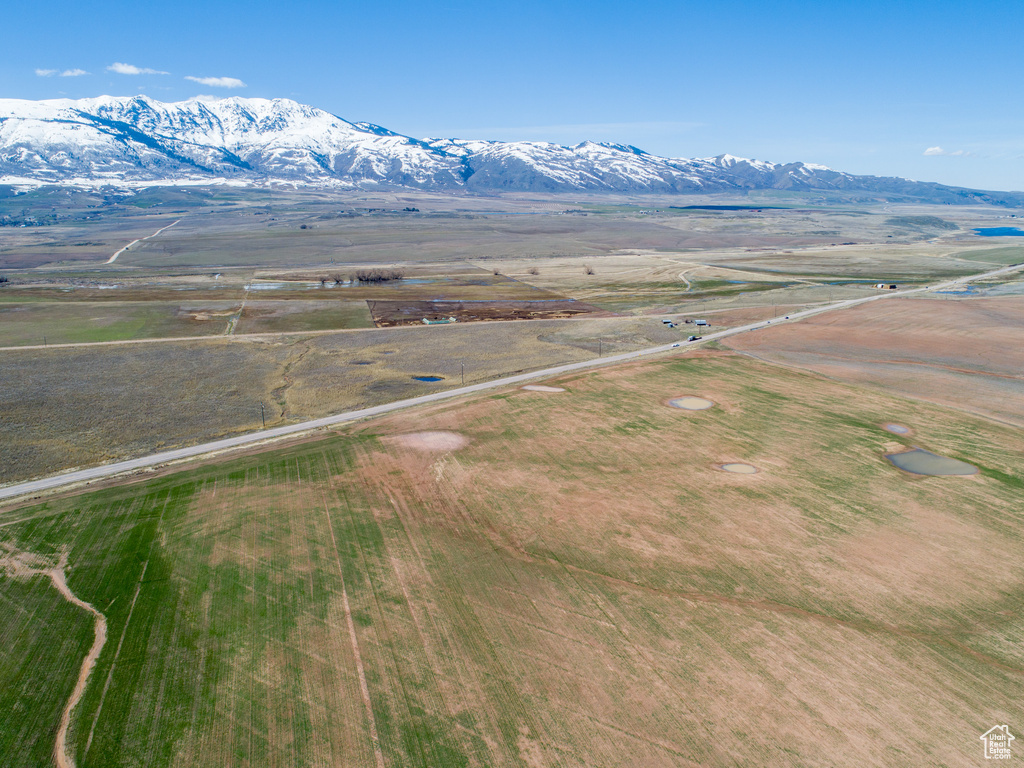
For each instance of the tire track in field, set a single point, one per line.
(782, 609)
(124, 632)
(477, 643)
(406, 520)
(25, 564)
(364, 688)
(605, 607)
(388, 641)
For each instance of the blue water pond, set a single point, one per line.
(999, 232)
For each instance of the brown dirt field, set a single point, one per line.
(965, 353)
(431, 441)
(387, 314)
(654, 595)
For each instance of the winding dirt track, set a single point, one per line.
(23, 565)
(60, 752)
(132, 465)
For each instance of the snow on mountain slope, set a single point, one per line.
(137, 140)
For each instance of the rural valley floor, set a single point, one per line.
(517, 578)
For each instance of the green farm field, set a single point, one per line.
(32, 322)
(562, 579)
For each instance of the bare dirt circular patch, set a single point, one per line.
(738, 468)
(896, 429)
(431, 441)
(691, 403)
(542, 388)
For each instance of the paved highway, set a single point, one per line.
(122, 467)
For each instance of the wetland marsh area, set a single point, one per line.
(710, 557)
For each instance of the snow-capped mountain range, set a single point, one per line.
(135, 141)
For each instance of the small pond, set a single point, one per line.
(291, 285)
(922, 462)
(999, 232)
(429, 378)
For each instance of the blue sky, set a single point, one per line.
(926, 90)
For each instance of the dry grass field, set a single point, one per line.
(67, 407)
(965, 353)
(578, 584)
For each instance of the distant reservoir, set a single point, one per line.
(1000, 232)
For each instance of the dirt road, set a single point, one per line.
(113, 258)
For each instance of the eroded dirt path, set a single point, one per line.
(25, 565)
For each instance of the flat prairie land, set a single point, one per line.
(965, 353)
(91, 237)
(578, 585)
(30, 322)
(68, 407)
(293, 316)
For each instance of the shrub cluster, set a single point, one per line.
(378, 275)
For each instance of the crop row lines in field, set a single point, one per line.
(360, 669)
(441, 635)
(391, 669)
(469, 634)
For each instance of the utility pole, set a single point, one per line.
(463, 374)
(600, 352)
(263, 415)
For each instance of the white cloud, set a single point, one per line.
(939, 151)
(130, 69)
(217, 82)
(65, 73)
